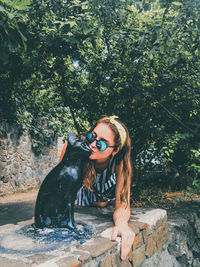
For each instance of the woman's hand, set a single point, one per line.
(127, 238)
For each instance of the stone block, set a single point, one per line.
(1, 166)
(161, 236)
(16, 165)
(82, 255)
(145, 234)
(5, 179)
(138, 256)
(151, 217)
(5, 153)
(104, 227)
(165, 233)
(159, 223)
(138, 241)
(159, 244)
(6, 226)
(164, 219)
(107, 261)
(39, 258)
(14, 171)
(3, 159)
(98, 246)
(69, 261)
(5, 262)
(27, 222)
(117, 262)
(137, 226)
(130, 255)
(144, 226)
(150, 245)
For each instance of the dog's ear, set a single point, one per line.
(72, 138)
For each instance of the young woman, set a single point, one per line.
(108, 175)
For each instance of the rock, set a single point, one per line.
(184, 234)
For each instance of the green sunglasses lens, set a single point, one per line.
(101, 145)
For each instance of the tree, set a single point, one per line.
(135, 59)
(12, 47)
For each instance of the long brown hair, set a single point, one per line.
(122, 157)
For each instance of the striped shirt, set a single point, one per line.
(103, 188)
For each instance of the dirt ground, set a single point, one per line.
(19, 197)
(17, 207)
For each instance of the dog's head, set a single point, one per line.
(78, 146)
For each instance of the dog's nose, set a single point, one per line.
(86, 146)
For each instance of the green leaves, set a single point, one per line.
(11, 28)
(177, 3)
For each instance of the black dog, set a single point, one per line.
(57, 194)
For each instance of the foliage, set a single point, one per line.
(76, 60)
(12, 46)
(11, 28)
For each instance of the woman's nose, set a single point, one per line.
(94, 144)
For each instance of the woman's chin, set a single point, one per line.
(92, 156)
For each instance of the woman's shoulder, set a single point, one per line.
(63, 151)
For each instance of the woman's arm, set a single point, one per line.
(121, 217)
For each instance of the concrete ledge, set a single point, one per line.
(151, 230)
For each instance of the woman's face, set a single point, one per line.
(103, 132)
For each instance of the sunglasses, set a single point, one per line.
(100, 144)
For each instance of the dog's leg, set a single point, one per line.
(39, 220)
(72, 210)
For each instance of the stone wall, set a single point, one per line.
(149, 248)
(184, 233)
(152, 247)
(20, 168)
